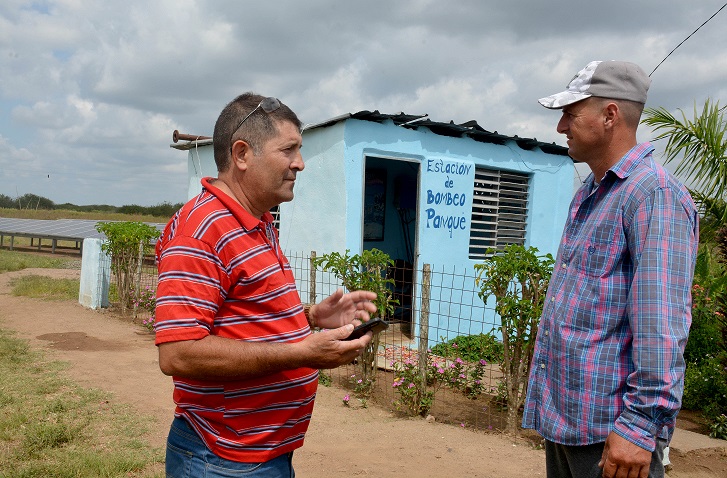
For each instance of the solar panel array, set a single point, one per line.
(63, 229)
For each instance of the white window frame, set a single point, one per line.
(275, 211)
(499, 210)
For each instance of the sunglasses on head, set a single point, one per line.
(268, 105)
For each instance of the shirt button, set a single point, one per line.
(546, 332)
(563, 265)
(542, 365)
(552, 299)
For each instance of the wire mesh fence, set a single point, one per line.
(142, 294)
(438, 357)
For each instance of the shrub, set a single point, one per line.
(471, 348)
(705, 381)
(126, 243)
(145, 299)
(705, 388)
(518, 279)
(365, 271)
(415, 397)
(719, 428)
(417, 388)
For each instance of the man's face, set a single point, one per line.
(272, 172)
(583, 124)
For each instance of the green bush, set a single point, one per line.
(471, 348)
(719, 428)
(705, 388)
(705, 381)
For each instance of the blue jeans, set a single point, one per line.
(189, 457)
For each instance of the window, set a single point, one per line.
(499, 210)
(275, 211)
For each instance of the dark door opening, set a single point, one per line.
(390, 212)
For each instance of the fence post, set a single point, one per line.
(312, 279)
(424, 321)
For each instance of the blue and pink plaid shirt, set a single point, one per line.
(609, 351)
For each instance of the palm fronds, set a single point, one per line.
(699, 143)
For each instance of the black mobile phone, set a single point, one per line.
(375, 325)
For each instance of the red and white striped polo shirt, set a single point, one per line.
(221, 272)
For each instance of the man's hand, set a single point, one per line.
(340, 309)
(327, 350)
(621, 458)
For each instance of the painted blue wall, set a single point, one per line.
(326, 214)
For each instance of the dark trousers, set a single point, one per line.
(564, 461)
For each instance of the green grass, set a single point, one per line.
(52, 428)
(42, 287)
(68, 214)
(14, 261)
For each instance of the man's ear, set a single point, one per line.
(610, 113)
(241, 152)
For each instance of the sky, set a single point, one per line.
(90, 92)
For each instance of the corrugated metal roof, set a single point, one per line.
(470, 129)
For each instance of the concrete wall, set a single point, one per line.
(317, 218)
(200, 164)
(95, 275)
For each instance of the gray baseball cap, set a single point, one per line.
(618, 80)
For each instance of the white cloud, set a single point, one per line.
(90, 92)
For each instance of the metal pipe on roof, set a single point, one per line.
(176, 136)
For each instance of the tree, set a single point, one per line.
(33, 201)
(365, 271)
(518, 279)
(701, 144)
(126, 243)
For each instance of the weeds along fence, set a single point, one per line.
(438, 357)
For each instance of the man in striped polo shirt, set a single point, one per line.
(230, 326)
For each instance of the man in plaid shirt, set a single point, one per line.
(608, 370)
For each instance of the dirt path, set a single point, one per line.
(109, 353)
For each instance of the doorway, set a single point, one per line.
(391, 192)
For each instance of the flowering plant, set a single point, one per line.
(416, 390)
(145, 299)
(414, 396)
(362, 388)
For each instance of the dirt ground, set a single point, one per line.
(109, 352)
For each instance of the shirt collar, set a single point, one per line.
(246, 220)
(630, 160)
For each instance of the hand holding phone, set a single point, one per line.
(375, 325)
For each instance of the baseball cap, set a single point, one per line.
(618, 80)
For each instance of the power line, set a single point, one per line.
(687, 38)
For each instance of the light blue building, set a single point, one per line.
(425, 193)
